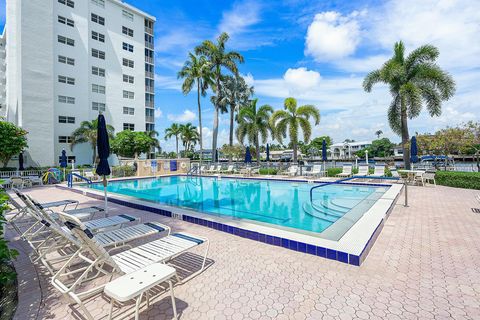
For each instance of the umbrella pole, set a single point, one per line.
(105, 195)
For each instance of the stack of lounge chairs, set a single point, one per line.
(76, 248)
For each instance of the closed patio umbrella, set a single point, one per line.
(248, 155)
(20, 162)
(103, 148)
(63, 161)
(324, 153)
(413, 150)
(268, 153)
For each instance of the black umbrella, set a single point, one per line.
(20, 162)
(103, 148)
(63, 161)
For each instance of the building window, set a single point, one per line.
(129, 111)
(149, 127)
(96, 71)
(128, 94)
(98, 36)
(65, 139)
(67, 80)
(100, 3)
(128, 63)
(96, 88)
(127, 31)
(66, 60)
(128, 79)
(68, 22)
(66, 41)
(129, 126)
(98, 54)
(69, 159)
(68, 3)
(128, 47)
(98, 19)
(127, 15)
(65, 119)
(65, 99)
(98, 106)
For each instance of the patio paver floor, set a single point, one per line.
(424, 265)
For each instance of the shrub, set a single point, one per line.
(268, 171)
(466, 180)
(332, 172)
(6, 254)
(123, 171)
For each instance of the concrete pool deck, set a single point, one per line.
(425, 264)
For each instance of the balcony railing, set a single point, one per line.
(149, 74)
(149, 60)
(149, 30)
(149, 89)
(149, 45)
(150, 119)
(149, 104)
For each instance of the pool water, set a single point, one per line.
(281, 203)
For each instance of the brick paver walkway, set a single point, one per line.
(424, 265)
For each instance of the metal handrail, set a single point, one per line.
(193, 169)
(70, 179)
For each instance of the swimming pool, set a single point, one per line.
(283, 204)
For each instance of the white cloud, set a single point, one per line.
(186, 116)
(158, 113)
(301, 80)
(331, 36)
(240, 17)
(168, 82)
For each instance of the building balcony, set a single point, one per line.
(149, 74)
(149, 30)
(149, 89)
(150, 119)
(149, 45)
(149, 104)
(149, 60)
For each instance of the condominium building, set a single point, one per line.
(68, 60)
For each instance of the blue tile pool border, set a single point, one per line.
(253, 235)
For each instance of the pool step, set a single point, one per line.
(319, 213)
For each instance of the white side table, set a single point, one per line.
(134, 285)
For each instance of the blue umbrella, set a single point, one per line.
(216, 156)
(20, 162)
(63, 161)
(268, 152)
(324, 150)
(413, 150)
(103, 148)
(248, 155)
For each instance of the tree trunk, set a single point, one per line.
(257, 146)
(215, 119)
(176, 140)
(295, 148)
(200, 122)
(230, 138)
(405, 137)
(94, 154)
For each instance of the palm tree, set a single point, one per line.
(412, 80)
(218, 58)
(292, 119)
(378, 133)
(189, 135)
(235, 93)
(196, 70)
(254, 124)
(175, 130)
(87, 133)
(155, 142)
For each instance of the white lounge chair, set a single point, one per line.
(230, 169)
(346, 171)
(362, 170)
(129, 261)
(429, 176)
(379, 171)
(316, 170)
(211, 169)
(292, 170)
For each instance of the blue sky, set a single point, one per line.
(318, 52)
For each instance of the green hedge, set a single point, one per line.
(466, 180)
(268, 171)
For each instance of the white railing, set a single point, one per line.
(24, 173)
